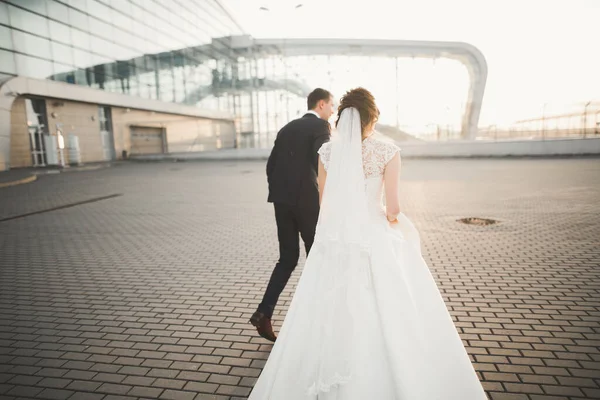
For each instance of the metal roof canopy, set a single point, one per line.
(465, 53)
(229, 48)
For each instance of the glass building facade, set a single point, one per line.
(177, 51)
(185, 52)
(124, 46)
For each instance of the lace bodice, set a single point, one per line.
(376, 154)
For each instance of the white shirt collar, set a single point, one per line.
(313, 113)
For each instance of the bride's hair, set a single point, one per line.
(363, 100)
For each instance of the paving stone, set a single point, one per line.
(201, 387)
(142, 391)
(169, 383)
(177, 395)
(87, 396)
(78, 385)
(154, 288)
(113, 388)
(58, 394)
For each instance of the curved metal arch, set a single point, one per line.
(466, 53)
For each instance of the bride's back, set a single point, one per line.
(376, 154)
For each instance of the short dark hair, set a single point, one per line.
(317, 95)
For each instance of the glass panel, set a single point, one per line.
(63, 75)
(138, 13)
(109, 70)
(28, 21)
(127, 82)
(57, 11)
(153, 46)
(99, 10)
(4, 13)
(82, 77)
(150, 21)
(121, 20)
(140, 65)
(6, 38)
(62, 54)
(79, 4)
(122, 53)
(60, 32)
(82, 59)
(101, 46)
(138, 27)
(101, 28)
(7, 62)
(142, 3)
(140, 46)
(97, 74)
(60, 71)
(81, 39)
(33, 45)
(114, 86)
(125, 40)
(167, 43)
(38, 125)
(123, 69)
(98, 59)
(78, 20)
(33, 67)
(124, 6)
(33, 5)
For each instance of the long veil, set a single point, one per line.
(343, 249)
(344, 213)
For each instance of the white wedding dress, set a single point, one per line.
(368, 322)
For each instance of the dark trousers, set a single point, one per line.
(291, 222)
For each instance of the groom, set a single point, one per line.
(293, 190)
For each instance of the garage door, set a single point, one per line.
(146, 140)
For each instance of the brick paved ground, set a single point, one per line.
(147, 295)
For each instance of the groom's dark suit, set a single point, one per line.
(293, 189)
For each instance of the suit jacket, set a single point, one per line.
(293, 164)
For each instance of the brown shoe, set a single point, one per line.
(263, 325)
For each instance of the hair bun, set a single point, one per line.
(364, 101)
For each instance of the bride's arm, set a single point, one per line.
(391, 178)
(321, 179)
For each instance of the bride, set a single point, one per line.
(367, 320)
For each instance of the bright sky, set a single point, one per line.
(538, 51)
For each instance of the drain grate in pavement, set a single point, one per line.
(78, 203)
(478, 221)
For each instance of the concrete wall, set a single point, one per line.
(200, 135)
(551, 147)
(13, 88)
(548, 148)
(80, 119)
(20, 146)
(184, 133)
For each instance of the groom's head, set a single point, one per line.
(321, 102)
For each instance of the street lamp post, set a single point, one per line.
(585, 118)
(544, 121)
(397, 97)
